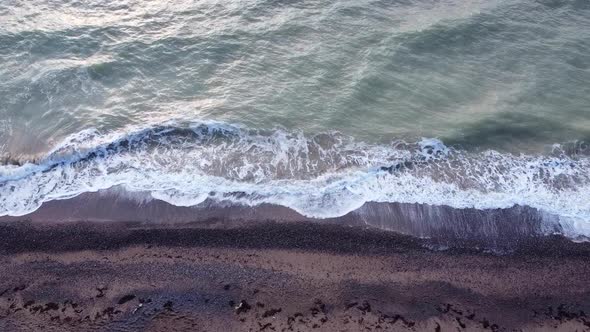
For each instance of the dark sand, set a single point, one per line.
(280, 277)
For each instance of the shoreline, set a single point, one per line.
(274, 276)
(64, 236)
(499, 230)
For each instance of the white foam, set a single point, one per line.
(323, 176)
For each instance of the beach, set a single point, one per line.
(301, 165)
(129, 276)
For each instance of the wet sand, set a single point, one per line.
(290, 276)
(496, 229)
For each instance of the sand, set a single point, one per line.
(89, 276)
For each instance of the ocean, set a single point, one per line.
(321, 107)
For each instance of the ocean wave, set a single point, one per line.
(320, 176)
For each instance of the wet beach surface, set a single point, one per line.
(280, 277)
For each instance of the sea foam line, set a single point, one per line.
(320, 176)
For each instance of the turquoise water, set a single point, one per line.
(510, 75)
(316, 105)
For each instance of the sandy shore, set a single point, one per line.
(279, 277)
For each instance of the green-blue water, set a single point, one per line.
(502, 74)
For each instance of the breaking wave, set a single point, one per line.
(320, 176)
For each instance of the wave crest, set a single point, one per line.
(321, 176)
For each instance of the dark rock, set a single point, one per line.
(271, 312)
(51, 306)
(19, 288)
(460, 322)
(168, 305)
(243, 307)
(321, 306)
(485, 323)
(264, 327)
(350, 305)
(365, 307)
(126, 298)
